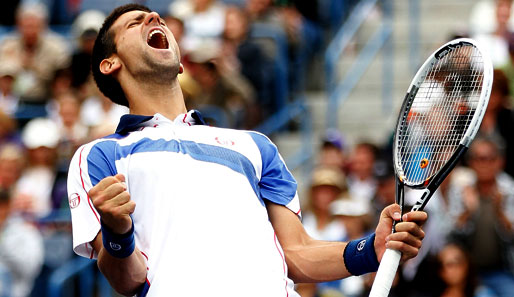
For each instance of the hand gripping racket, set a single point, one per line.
(439, 118)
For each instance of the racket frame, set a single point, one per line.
(391, 258)
(432, 183)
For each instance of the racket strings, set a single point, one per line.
(440, 114)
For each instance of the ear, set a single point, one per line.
(181, 69)
(110, 65)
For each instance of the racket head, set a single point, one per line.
(442, 111)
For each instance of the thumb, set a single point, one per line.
(393, 212)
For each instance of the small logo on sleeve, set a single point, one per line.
(74, 200)
(361, 245)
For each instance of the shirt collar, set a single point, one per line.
(131, 122)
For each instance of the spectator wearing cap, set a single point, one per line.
(21, 251)
(37, 52)
(33, 191)
(327, 185)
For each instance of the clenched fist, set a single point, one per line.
(112, 201)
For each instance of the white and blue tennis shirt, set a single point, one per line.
(200, 219)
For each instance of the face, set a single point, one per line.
(454, 266)
(10, 171)
(235, 24)
(362, 162)
(322, 196)
(30, 27)
(332, 156)
(146, 47)
(484, 160)
(69, 110)
(503, 12)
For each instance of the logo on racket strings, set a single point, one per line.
(423, 163)
(361, 245)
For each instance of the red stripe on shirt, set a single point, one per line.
(283, 260)
(84, 187)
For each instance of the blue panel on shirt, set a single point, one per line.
(277, 183)
(198, 151)
(101, 162)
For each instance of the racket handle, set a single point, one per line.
(386, 273)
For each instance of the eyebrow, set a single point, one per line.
(139, 17)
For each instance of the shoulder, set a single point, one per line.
(102, 144)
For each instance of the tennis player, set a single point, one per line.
(171, 207)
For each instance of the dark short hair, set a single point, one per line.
(104, 47)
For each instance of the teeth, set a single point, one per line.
(155, 32)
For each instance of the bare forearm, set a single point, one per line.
(318, 262)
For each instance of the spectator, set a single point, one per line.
(458, 274)
(21, 249)
(303, 37)
(204, 20)
(190, 88)
(37, 52)
(361, 180)
(8, 100)
(230, 92)
(496, 42)
(241, 54)
(485, 223)
(355, 216)
(498, 121)
(84, 28)
(8, 129)
(73, 133)
(101, 115)
(12, 162)
(33, 191)
(332, 151)
(327, 185)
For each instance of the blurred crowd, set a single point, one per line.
(242, 64)
(243, 61)
(469, 245)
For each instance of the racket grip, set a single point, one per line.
(386, 273)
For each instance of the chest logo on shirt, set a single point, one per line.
(74, 200)
(224, 141)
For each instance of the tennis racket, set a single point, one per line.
(439, 118)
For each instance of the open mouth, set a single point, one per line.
(157, 39)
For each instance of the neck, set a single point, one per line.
(147, 98)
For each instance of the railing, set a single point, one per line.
(339, 90)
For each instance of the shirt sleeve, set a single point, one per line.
(90, 164)
(277, 184)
